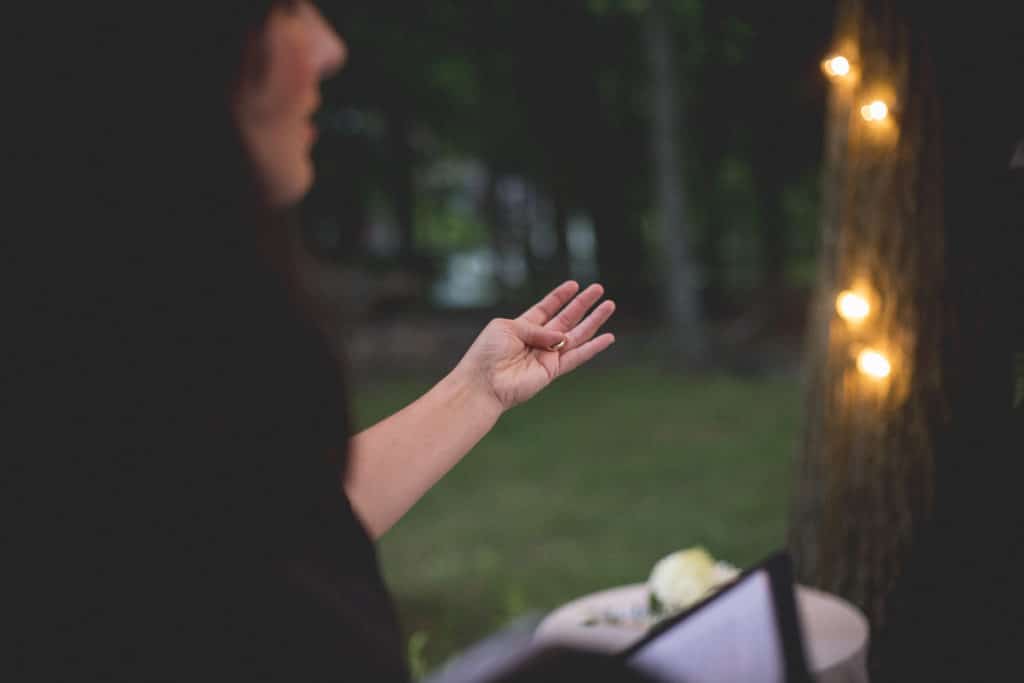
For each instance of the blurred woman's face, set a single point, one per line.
(278, 96)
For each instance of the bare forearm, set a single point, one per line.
(394, 462)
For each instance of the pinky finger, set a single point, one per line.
(570, 360)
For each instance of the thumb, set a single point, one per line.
(535, 335)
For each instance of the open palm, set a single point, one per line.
(513, 359)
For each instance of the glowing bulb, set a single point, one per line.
(852, 306)
(837, 66)
(873, 364)
(874, 111)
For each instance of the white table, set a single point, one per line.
(835, 632)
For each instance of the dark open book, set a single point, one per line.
(748, 631)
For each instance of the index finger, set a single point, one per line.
(545, 309)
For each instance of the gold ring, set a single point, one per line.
(558, 346)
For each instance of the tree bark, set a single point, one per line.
(526, 219)
(621, 254)
(560, 222)
(892, 475)
(494, 217)
(682, 303)
(866, 475)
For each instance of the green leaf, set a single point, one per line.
(654, 605)
(417, 662)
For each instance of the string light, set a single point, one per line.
(852, 306)
(873, 364)
(837, 66)
(875, 111)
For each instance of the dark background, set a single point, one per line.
(473, 155)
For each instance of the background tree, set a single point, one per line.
(558, 99)
(674, 214)
(901, 480)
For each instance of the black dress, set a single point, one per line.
(180, 514)
(175, 471)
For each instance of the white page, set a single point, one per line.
(735, 638)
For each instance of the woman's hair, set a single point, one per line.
(178, 419)
(165, 363)
(167, 136)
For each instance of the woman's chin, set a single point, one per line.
(291, 190)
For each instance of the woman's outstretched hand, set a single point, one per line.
(511, 360)
(394, 462)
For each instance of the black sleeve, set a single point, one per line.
(178, 517)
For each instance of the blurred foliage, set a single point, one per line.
(558, 94)
(441, 228)
(418, 666)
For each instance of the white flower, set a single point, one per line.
(684, 577)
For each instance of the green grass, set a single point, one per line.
(584, 488)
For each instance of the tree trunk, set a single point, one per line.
(621, 253)
(494, 217)
(772, 229)
(711, 145)
(526, 219)
(561, 228)
(890, 472)
(682, 304)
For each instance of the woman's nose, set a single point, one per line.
(331, 49)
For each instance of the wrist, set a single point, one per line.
(470, 391)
